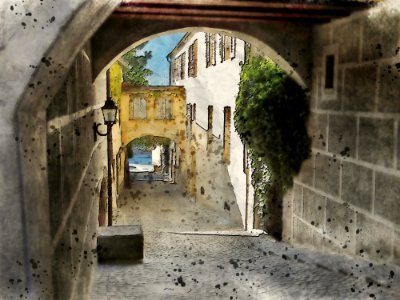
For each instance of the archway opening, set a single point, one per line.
(207, 63)
(151, 158)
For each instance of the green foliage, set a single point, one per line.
(149, 142)
(261, 181)
(271, 115)
(116, 81)
(136, 73)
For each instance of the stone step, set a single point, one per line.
(120, 243)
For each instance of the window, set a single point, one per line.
(329, 71)
(164, 108)
(328, 79)
(192, 64)
(137, 108)
(211, 47)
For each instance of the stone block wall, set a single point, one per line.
(347, 197)
(75, 170)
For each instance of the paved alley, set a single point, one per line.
(179, 266)
(162, 206)
(197, 265)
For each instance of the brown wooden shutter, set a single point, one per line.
(168, 108)
(221, 47)
(143, 108)
(207, 39)
(227, 45)
(233, 47)
(183, 63)
(131, 109)
(190, 61)
(195, 47)
(214, 49)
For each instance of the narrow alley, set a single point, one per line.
(170, 149)
(162, 206)
(186, 258)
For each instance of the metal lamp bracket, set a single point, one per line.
(97, 132)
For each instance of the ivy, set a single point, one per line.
(149, 142)
(270, 117)
(116, 81)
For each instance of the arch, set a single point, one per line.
(151, 134)
(30, 113)
(291, 56)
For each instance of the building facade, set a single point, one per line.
(208, 65)
(157, 111)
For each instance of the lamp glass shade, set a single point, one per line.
(109, 111)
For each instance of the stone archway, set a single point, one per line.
(39, 88)
(108, 48)
(35, 181)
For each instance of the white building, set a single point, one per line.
(208, 65)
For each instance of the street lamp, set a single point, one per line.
(109, 111)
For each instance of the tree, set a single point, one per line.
(136, 72)
(270, 117)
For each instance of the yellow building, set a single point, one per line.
(156, 111)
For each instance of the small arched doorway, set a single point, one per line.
(152, 158)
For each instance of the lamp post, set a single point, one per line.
(109, 111)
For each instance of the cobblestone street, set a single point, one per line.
(195, 265)
(233, 267)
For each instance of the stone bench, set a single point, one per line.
(120, 243)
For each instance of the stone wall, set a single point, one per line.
(38, 43)
(346, 198)
(75, 171)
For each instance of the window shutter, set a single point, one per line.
(207, 39)
(183, 63)
(221, 47)
(227, 45)
(131, 109)
(214, 49)
(160, 108)
(168, 108)
(233, 47)
(136, 108)
(142, 111)
(176, 69)
(195, 47)
(190, 62)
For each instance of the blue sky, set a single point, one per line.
(160, 47)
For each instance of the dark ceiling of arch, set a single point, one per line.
(309, 11)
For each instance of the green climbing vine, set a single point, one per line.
(150, 142)
(270, 117)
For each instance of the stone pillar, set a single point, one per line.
(210, 127)
(227, 135)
